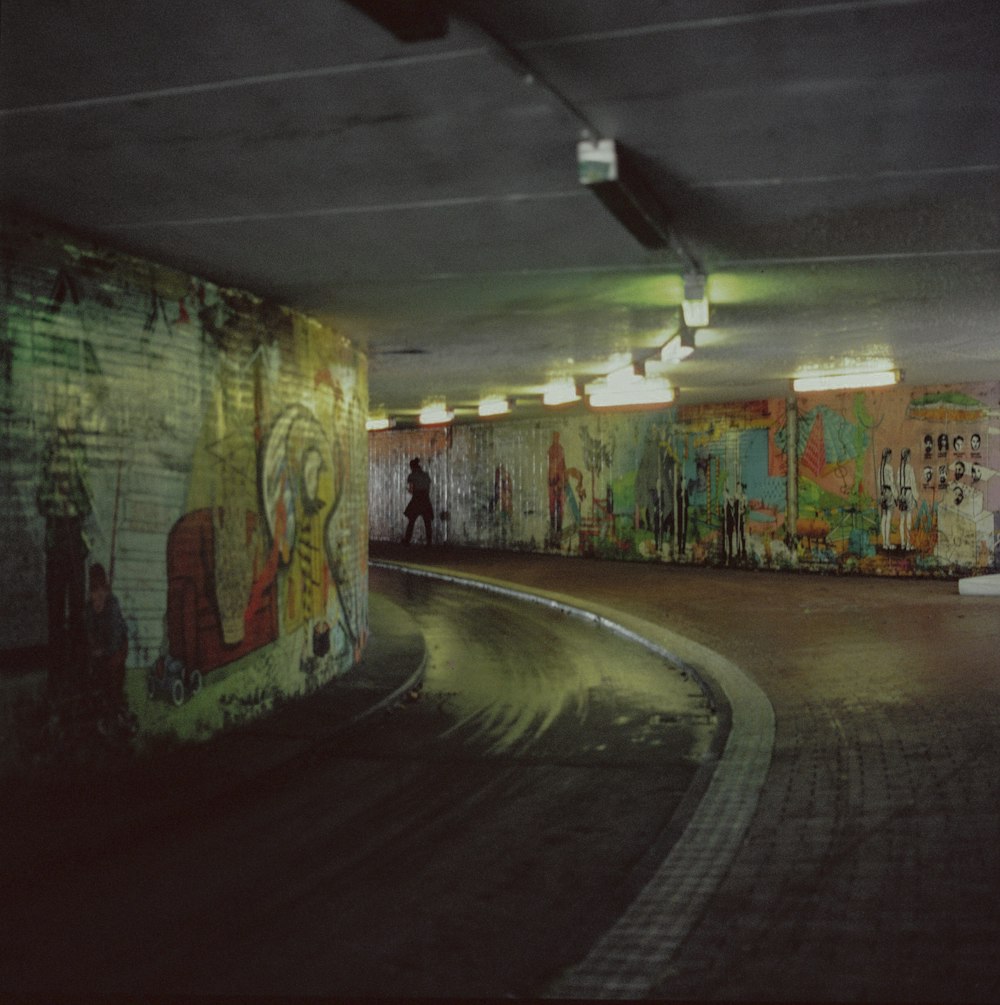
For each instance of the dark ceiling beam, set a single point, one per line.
(628, 198)
(408, 20)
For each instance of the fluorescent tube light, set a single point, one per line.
(561, 392)
(679, 347)
(694, 306)
(636, 392)
(377, 422)
(494, 406)
(846, 381)
(435, 414)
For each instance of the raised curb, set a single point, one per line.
(636, 953)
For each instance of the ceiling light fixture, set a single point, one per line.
(494, 406)
(641, 392)
(377, 422)
(679, 347)
(607, 170)
(435, 413)
(561, 391)
(846, 381)
(625, 388)
(695, 303)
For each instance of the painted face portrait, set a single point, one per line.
(975, 442)
(958, 444)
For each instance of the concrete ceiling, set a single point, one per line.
(832, 166)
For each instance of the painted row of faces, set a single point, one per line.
(958, 473)
(957, 443)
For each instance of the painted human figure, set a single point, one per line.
(682, 498)
(557, 486)
(887, 496)
(907, 498)
(741, 518)
(735, 515)
(308, 569)
(418, 484)
(107, 643)
(64, 500)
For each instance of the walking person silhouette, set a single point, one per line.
(418, 484)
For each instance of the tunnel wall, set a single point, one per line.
(710, 484)
(210, 448)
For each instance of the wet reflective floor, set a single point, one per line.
(475, 841)
(869, 870)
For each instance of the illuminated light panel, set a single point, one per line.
(694, 306)
(435, 414)
(637, 393)
(624, 376)
(695, 313)
(561, 392)
(846, 381)
(678, 348)
(377, 422)
(494, 406)
(618, 380)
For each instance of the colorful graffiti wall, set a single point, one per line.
(193, 457)
(899, 481)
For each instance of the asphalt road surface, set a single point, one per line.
(473, 842)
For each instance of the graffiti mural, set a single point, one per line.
(885, 482)
(184, 496)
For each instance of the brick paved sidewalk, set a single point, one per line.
(871, 869)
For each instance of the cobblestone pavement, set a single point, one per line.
(871, 868)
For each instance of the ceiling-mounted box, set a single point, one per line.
(605, 168)
(597, 161)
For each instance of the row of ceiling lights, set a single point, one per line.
(627, 385)
(634, 385)
(610, 174)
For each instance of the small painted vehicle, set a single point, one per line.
(167, 677)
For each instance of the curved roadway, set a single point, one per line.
(870, 867)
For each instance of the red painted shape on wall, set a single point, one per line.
(814, 455)
(194, 625)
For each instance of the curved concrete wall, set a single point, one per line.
(208, 449)
(899, 481)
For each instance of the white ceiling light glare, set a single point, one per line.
(379, 422)
(850, 381)
(494, 405)
(560, 391)
(679, 347)
(597, 161)
(625, 388)
(694, 306)
(435, 413)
